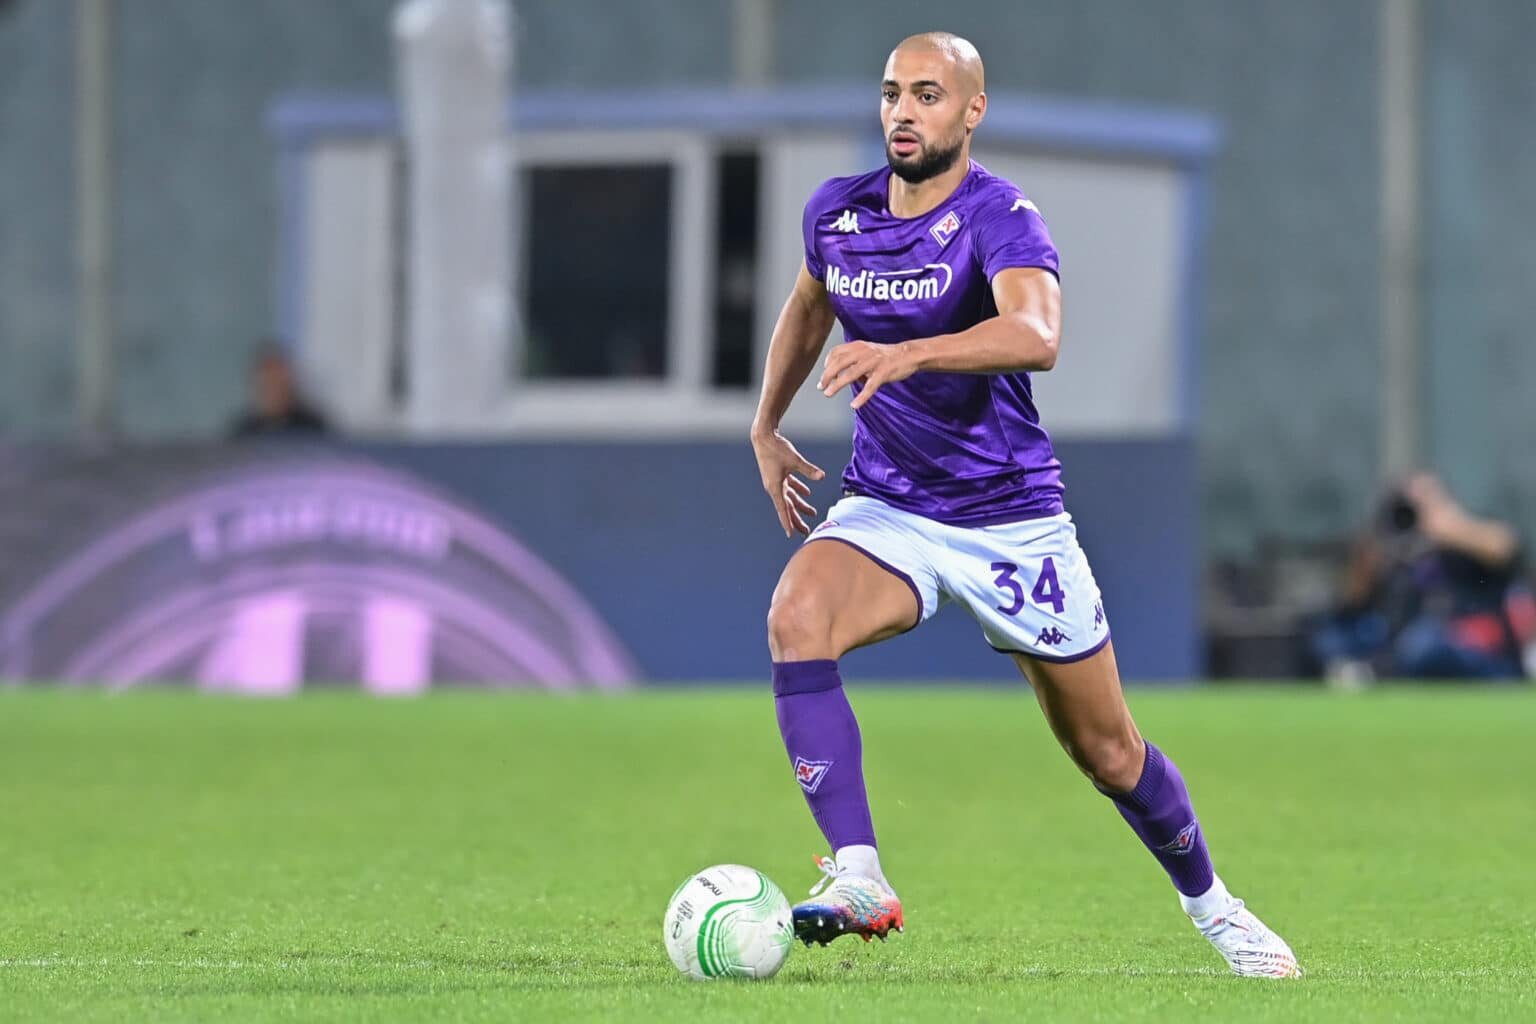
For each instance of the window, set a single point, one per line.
(646, 263)
(598, 271)
(736, 278)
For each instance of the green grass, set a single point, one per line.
(479, 857)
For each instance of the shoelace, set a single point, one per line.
(1223, 921)
(829, 874)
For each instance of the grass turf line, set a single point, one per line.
(493, 857)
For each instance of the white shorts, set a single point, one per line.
(1027, 583)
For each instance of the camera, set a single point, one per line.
(1398, 515)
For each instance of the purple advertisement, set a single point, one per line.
(265, 573)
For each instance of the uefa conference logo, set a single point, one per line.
(307, 570)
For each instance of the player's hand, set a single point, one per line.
(867, 364)
(778, 462)
(1440, 517)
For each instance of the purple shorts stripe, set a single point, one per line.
(888, 567)
(1056, 659)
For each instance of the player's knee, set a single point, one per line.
(799, 627)
(1112, 762)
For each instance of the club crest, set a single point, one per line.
(810, 773)
(945, 229)
(1182, 843)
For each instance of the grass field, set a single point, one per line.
(479, 857)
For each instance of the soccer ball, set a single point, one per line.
(728, 921)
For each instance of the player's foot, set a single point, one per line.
(1248, 946)
(844, 903)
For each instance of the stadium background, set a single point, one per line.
(1350, 315)
(1356, 185)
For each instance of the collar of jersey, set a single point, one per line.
(885, 194)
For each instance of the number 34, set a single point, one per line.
(1047, 589)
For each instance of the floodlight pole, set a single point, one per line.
(753, 42)
(1401, 70)
(454, 70)
(93, 217)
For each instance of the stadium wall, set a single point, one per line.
(266, 567)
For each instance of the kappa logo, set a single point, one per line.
(848, 223)
(945, 229)
(810, 773)
(1023, 204)
(1098, 614)
(1182, 843)
(1051, 636)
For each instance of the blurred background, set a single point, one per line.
(371, 343)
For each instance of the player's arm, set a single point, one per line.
(798, 337)
(1025, 335)
(1445, 522)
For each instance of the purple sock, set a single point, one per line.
(822, 738)
(1159, 812)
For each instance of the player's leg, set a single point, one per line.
(831, 599)
(835, 595)
(1030, 587)
(1086, 709)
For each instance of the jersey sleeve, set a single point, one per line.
(813, 264)
(1011, 233)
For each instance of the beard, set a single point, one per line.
(925, 163)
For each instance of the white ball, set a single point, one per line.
(728, 921)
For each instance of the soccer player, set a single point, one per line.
(944, 279)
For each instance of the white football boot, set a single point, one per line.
(1245, 942)
(846, 903)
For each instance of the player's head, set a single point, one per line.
(274, 385)
(932, 97)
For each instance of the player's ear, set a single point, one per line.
(975, 111)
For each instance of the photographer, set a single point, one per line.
(1432, 592)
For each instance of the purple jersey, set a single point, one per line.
(961, 448)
